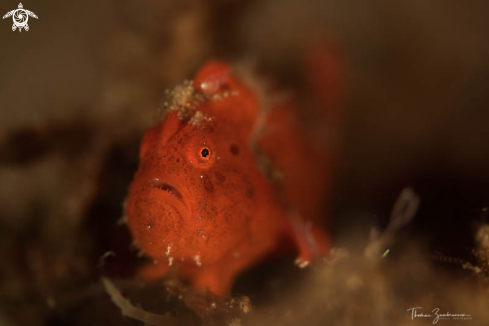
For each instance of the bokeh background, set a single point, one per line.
(80, 87)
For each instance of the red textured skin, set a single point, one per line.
(230, 214)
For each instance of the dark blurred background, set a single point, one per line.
(80, 87)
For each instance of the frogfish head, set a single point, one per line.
(198, 185)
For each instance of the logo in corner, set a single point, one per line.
(20, 17)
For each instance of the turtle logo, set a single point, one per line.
(20, 17)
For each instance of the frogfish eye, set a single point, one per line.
(205, 153)
(202, 156)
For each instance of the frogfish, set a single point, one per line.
(232, 175)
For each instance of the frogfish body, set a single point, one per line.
(226, 179)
